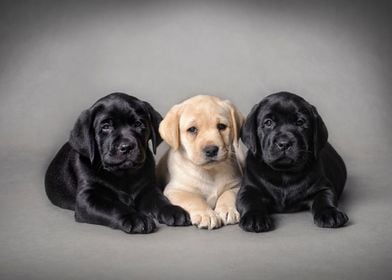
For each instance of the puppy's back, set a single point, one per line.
(334, 167)
(60, 183)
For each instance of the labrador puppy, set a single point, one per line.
(202, 170)
(290, 166)
(106, 171)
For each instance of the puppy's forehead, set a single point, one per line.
(119, 108)
(204, 112)
(283, 106)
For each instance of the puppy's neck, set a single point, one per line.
(282, 177)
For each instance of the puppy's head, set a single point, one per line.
(285, 131)
(115, 132)
(203, 128)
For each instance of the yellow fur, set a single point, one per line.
(206, 190)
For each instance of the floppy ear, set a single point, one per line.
(155, 119)
(320, 132)
(237, 119)
(169, 127)
(82, 136)
(249, 130)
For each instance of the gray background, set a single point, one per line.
(58, 57)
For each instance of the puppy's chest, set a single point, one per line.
(290, 198)
(212, 188)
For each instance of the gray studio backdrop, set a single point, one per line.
(58, 57)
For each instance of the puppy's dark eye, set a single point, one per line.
(268, 123)
(106, 126)
(192, 130)
(138, 124)
(221, 126)
(300, 122)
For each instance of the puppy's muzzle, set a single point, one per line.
(126, 146)
(283, 143)
(211, 151)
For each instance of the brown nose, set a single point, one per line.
(211, 151)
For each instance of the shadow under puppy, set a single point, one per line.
(202, 170)
(290, 166)
(106, 171)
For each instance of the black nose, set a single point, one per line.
(211, 151)
(283, 144)
(125, 147)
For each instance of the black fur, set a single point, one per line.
(106, 171)
(290, 165)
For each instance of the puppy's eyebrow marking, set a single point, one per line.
(106, 120)
(303, 112)
(191, 123)
(140, 111)
(269, 115)
(102, 118)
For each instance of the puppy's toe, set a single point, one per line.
(256, 222)
(172, 215)
(138, 223)
(330, 218)
(196, 219)
(228, 215)
(206, 219)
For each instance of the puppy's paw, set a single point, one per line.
(256, 222)
(206, 219)
(138, 223)
(228, 215)
(330, 218)
(172, 215)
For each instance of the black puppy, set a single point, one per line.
(106, 172)
(290, 165)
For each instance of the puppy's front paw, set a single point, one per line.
(256, 222)
(206, 219)
(172, 215)
(330, 218)
(228, 215)
(138, 223)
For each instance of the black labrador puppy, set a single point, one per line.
(106, 171)
(290, 165)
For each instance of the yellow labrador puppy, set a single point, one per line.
(202, 170)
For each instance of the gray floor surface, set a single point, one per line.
(58, 57)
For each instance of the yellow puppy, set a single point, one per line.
(202, 170)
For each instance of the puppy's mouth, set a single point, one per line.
(286, 163)
(112, 163)
(211, 162)
(207, 162)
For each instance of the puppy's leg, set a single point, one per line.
(253, 205)
(325, 211)
(155, 203)
(225, 207)
(195, 204)
(97, 204)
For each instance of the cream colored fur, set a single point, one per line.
(206, 190)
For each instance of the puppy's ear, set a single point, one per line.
(320, 132)
(155, 119)
(170, 127)
(237, 119)
(249, 131)
(82, 136)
